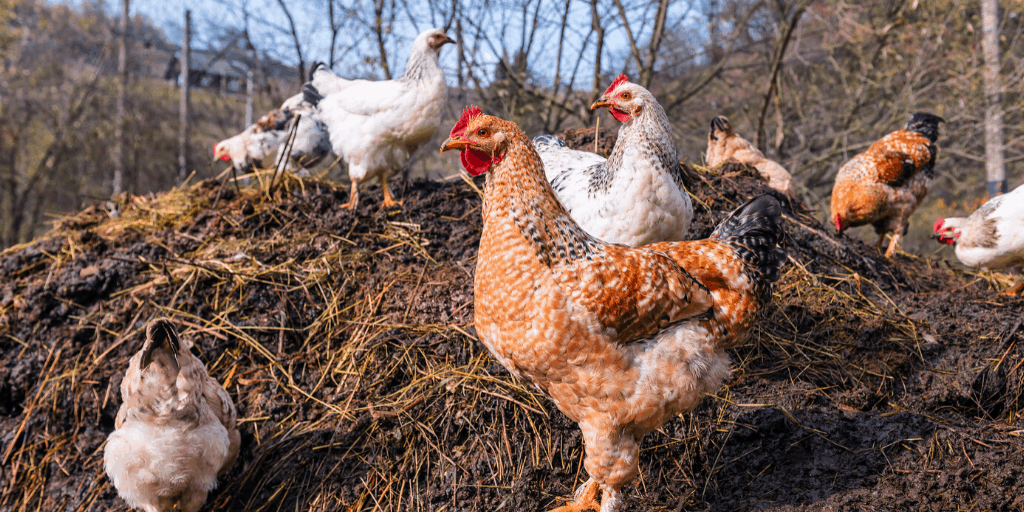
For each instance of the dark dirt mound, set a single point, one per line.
(345, 339)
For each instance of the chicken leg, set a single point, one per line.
(893, 245)
(1015, 289)
(585, 499)
(353, 199)
(388, 200)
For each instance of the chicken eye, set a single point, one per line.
(624, 95)
(482, 132)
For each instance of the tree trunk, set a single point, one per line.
(776, 65)
(122, 91)
(596, 25)
(995, 168)
(378, 29)
(295, 41)
(183, 107)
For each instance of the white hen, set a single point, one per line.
(992, 237)
(377, 126)
(175, 432)
(267, 137)
(636, 195)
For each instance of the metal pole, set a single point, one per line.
(249, 86)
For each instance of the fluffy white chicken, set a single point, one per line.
(267, 137)
(377, 126)
(992, 237)
(175, 432)
(636, 195)
(724, 145)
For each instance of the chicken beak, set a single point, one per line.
(448, 40)
(451, 144)
(601, 102)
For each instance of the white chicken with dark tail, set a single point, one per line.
(992, 237)
(636, 195)
(377, 126)
(175, 431)
(266, 138)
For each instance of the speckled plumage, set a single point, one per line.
(620, 338)
(725, 145)
(884, 185)
(636, 195)
(175, 431)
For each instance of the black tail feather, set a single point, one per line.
(310, 94)
(158, 332)
(755, 231)
(924, 123)
(720, 124)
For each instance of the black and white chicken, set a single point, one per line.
(636, 195)
(267, 137)
(992, 237)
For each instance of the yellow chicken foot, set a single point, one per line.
(893, 245)
(388, 200)
(353, 199)
(586, 499)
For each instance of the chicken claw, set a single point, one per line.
(586, 499)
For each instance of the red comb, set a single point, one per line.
(938, 225)
(618, 80)
(468, 114)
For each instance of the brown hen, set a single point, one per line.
(175, 432)
(620, 338)
(884, 185)
(725, 145)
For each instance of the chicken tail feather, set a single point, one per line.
(310, 94)
(754, 230)
(160, 333)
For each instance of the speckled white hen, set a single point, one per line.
(175, 431)
(266, 138)
(377, 126)
(992, 237)
(636, 195)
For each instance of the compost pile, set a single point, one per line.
(346, 341)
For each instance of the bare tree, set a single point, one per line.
(301, 71)
(378, 31)
(786, 29)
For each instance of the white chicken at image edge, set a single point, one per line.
(992, 237)
(377, 126)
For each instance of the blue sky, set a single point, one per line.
(313, 26)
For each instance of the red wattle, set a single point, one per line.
(476, 162)
(621, 117)
(225, 157)
(839, 223)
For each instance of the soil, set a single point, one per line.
(346, 341)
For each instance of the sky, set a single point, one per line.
(313, 27)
